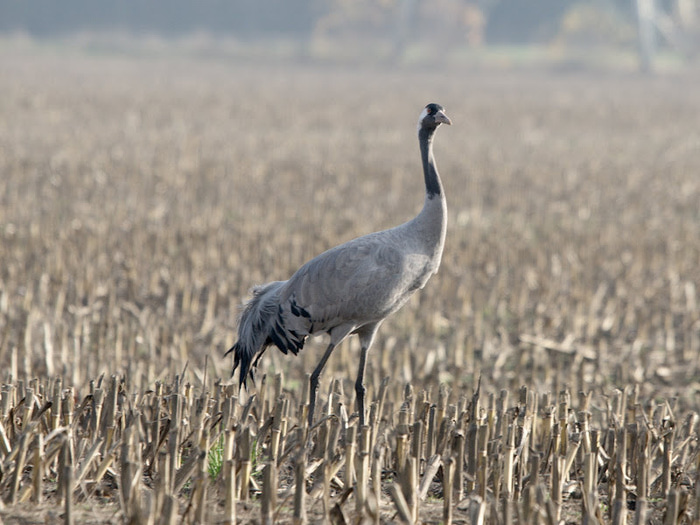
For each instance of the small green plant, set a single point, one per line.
(257, 460)
(254, 456)
(216, 458)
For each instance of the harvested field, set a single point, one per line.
(550, 371)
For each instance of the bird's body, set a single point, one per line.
(353, 287)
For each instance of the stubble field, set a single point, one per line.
(141, 199)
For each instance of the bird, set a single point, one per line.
(351, 288)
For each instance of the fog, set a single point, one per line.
(391, 31)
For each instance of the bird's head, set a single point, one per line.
(432, 116)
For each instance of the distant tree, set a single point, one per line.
(245, 18)
(523, 21)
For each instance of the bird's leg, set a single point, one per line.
(360, 389)
(366, 337)
(313, 382)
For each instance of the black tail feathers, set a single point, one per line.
(243, 359)
(255, 325)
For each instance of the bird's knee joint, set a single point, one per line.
(313, 382)
(360, 389)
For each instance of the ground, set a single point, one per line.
(142, 197)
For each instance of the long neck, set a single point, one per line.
(432, 220)
(433, 185)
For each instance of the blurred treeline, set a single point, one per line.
(476, 22)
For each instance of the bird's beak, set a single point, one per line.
(442, 118)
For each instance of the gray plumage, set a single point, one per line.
(352, 288)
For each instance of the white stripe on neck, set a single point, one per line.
(423, 114)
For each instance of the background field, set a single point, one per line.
(141, 199)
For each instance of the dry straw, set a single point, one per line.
(548, 373)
